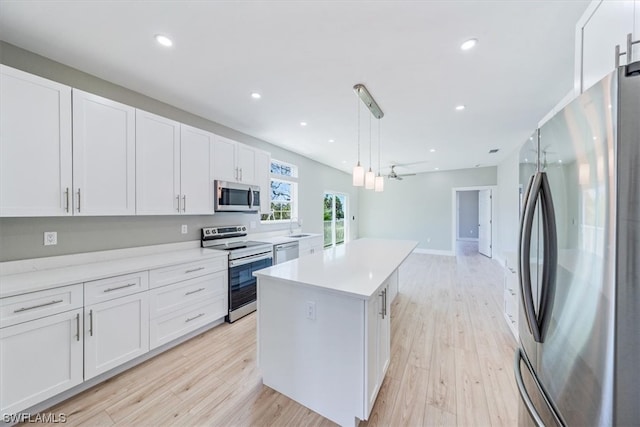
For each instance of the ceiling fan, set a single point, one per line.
(394, 175)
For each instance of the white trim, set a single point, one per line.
(468, 239)
(578, 54)
(433, 252)
(454, 213)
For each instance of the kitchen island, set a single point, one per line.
(323, 326)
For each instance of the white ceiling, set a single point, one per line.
(305, 56)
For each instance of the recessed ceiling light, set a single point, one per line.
(469, 44)
(303, 123)
(344, 162)
(560, 161)
(164, 40)
(530, 138)
(331, 140)
(460, 107)
(437, 169)
(433, 150)
(256, 95)
(526, 160)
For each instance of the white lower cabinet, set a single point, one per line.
(310, 245)
(377, 343)
(182, 307)
(116, 331)
(39, 359)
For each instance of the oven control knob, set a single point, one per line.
(206, 231)
(244, 228)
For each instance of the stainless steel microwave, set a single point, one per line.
(236, 197)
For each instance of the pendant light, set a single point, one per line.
(370, 177)
(379, 183)
(358, 171)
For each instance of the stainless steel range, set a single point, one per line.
(245, 257)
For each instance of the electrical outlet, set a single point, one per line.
(184, 229)
(311, 310)
(50, 238)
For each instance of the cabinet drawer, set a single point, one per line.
(173, 325)
(177, 273)
(187, 293)
(22, 308)
(114, 287)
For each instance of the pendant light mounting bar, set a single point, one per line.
(368, 100)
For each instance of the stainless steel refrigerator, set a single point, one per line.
(579, 358)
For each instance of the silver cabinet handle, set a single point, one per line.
(20, 310)
(78, 200)
(189, 319)
(78, 327)
(91, 322)
(178, 199)
(195, 269)
(237, 174)
(128, 285)
(66, 196)
(193, 292)
(384, 293)
(240, 174)
(184, 203)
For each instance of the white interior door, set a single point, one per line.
(484, 222)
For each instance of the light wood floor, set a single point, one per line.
(451, 358)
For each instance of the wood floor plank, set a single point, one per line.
(451, 356)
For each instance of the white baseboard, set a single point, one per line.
(434, 252)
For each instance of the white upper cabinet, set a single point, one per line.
(157, 165)
(224, 159)
(246, 159)
(233, 161)
(196, 183)
(103, 156)
(172, 166)
(35, 145)
(605, 25)
(263, 178)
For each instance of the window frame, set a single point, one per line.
(289, 179)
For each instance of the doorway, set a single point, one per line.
(473, 220)
(335, 211)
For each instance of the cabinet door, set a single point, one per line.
(263, 179)
(607, 27)
(384, 337)
(224, 159)
(196, 184)
(246, 159)
(157, 165)
(115, 332)
(39, 359)
(371, 351)
(35, 145)
(103, 156)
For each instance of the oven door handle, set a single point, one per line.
(249, 259)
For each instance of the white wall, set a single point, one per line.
(508, 202)
(419, 207)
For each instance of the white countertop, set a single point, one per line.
(20, 283)
(357, 268)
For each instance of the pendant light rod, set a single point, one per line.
(368, 100)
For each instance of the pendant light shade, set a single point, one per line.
(379, 184)
(369, 180)
(358, 175)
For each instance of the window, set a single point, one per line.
(284, 192)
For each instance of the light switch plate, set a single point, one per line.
(184, 229)
(50, 238)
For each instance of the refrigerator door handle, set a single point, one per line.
(550, 263)
(531, 409)
(526, 227)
